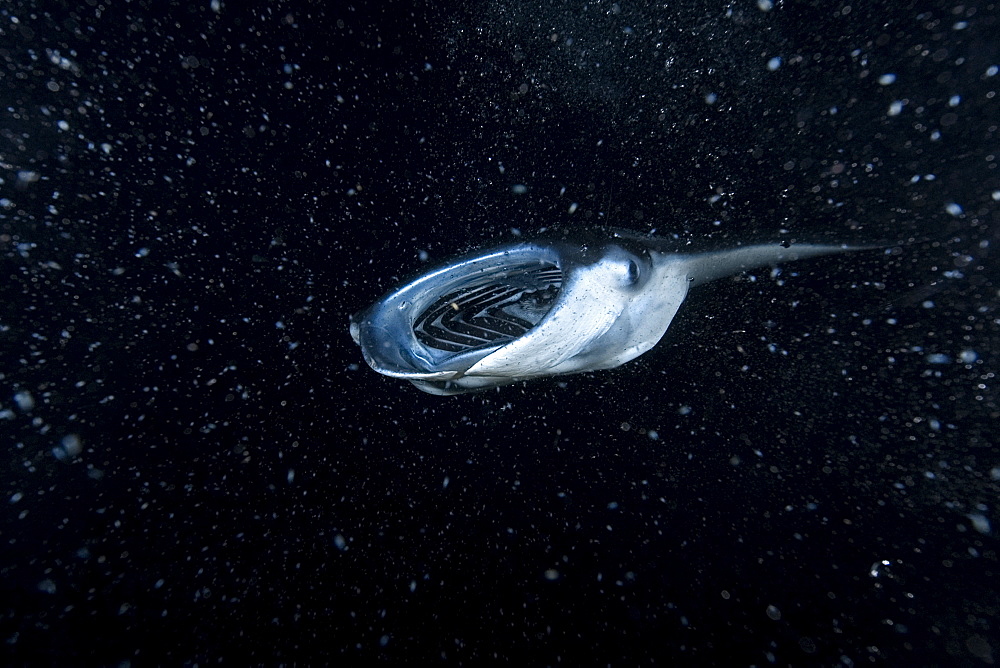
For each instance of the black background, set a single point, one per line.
(195, 197)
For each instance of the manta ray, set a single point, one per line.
(544, 308)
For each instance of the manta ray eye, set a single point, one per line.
(632, 273)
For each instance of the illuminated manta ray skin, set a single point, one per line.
(617, 298)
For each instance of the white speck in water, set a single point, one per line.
(340, 542)
(573, 207)
(69, 447)
(968, 356)
(774, 63)
(980, 523)
(24, 401)
(953, 209)
(444, 483)
(887, 79)
(773, 612)
(765, 5)
(876, 569)
(519, 189)
(895, 108)
(291, 475)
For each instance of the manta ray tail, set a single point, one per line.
(705, 267)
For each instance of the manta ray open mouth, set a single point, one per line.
(491, 308)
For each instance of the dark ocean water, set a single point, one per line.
(194, 197)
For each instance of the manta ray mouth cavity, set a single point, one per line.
(490, 308)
